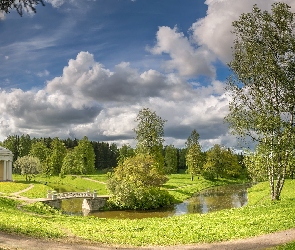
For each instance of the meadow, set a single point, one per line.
(259, 217)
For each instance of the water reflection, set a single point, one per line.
(217, 198)
(209, 200)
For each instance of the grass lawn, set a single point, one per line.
(260, 216)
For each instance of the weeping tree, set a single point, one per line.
(20, 5)
(262, 87)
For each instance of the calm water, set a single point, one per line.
(209, 200)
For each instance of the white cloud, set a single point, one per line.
(43, 73)
(2, 15)
(88, 99)
(214, 30)
(56, 3)
(185, 58)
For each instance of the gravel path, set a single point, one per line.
(10, 241)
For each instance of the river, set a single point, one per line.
(208, 200)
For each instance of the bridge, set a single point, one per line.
(91, 202)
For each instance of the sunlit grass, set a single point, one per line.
(182, 187)
(259, 217)
(12, 187)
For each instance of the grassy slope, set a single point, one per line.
(259, 217)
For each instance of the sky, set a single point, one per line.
(86, 68)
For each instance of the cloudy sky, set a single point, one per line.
(82, 67)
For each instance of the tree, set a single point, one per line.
(135, 184)
(256, 164)
(28, 166)
(19, 5)
(125, 152)
(194, 156)
(12, 143)
(221, 162)
(25, 144)
(40, 151)
(57, 154)
(262, 86)
(194, 160)
(171, 160)
(149, 134)
(181, 158)
(68, 165)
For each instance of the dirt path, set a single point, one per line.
(88, 179)
(24, 190)
(10, 241)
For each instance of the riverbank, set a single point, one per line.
(259, 217)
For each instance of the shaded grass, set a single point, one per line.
(288, 246)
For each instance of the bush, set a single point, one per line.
(142, 199)
(135, 184)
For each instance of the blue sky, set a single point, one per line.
(80, 68)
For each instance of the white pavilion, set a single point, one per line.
(6, 158)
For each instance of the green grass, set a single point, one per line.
(71, 183)
(259, 217)
(288, 246)
(182, 188)
(11, 187)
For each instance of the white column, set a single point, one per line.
(9, 170)
(4, 171)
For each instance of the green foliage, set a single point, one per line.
(171, 161)
(124, 152)
(39, 150)
(106, 155)
(40, 208)
(194, 157)
(20, 5)
(255, 163)
(221, 162)
(80, 160)
(57, 155)
(194, 160)
(181, 158)
(133, 179)
(262, 86)
(149, 134)
(29, 166)
(142, 198)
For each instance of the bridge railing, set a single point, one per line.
(53, 195)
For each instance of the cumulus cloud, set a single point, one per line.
(89, 99)
(210, 38)
(214, 30)
(185, 58)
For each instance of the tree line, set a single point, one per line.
(58, 155)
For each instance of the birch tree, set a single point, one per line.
(262, 88)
